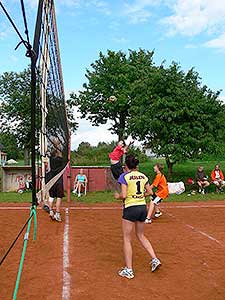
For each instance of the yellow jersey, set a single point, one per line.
(135, 182)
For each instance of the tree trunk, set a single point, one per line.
(169, 166)
(122, 125)
(26, 156)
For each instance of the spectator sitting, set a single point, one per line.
(80, 182)
(218, 178)
(201, 180)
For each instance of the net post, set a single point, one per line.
(33, 129)
(69, 171)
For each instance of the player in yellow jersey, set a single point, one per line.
(134, 188)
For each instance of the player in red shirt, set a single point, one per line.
(115, 157)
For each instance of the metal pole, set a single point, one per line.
(69, 171)
(33, 130)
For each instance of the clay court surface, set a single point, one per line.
(79, 258)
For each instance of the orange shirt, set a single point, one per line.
(214, 177)
(160, 183)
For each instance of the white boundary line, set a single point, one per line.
(117, 207)
(66, 262)
(208, 236)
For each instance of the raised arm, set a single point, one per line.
(127, 146)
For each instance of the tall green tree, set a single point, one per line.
(115, 74)
(8, 140)
(15, 116)
(181, 118)
(15, 107)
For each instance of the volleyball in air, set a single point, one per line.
(112, 99)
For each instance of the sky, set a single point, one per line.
(191, 32)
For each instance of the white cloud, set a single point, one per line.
(222, 98)
(138, 11)
(3, 35)
(86, 132)
(192, 17)
(100, 6)
(91, 134)
(217, 43)
(120, 40)
(190, 46)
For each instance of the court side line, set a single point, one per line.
(115, 207)
(66, 262)
(208, 236)
(165, 207)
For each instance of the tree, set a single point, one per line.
(8, 140)
(115, 74)
(15, 117)
(15, 107)
(181, 119)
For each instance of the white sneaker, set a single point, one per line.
(158, 214)
(57, 217)
(148, 221)
(51, 214)
(155, 264)
(126, 272)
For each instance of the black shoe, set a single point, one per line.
(46, 208)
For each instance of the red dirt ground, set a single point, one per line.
(193, 263)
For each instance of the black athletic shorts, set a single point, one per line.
(57, 190)
(135, 213)
(117, 170)
(156, 199)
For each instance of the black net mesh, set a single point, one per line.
(53, 142)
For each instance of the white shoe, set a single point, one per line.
(125, 272)
(148, 221)
(155, 264)
(158, 214)
(57, 217)
(51, 214)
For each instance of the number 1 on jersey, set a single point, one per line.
(138, 184)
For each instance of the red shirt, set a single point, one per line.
(117, 153)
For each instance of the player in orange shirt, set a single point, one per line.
(162, 193)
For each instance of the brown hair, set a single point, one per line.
(160, 166)
(131, 161)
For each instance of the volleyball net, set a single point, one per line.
(53, 127)
(50, 137)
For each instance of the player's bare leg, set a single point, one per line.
(157, 212)
(127, 271)
(50, 204)
(139, 229)
(127, 248)
(57, 214)
(150, 212)
(79, 189)
(155, 262)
